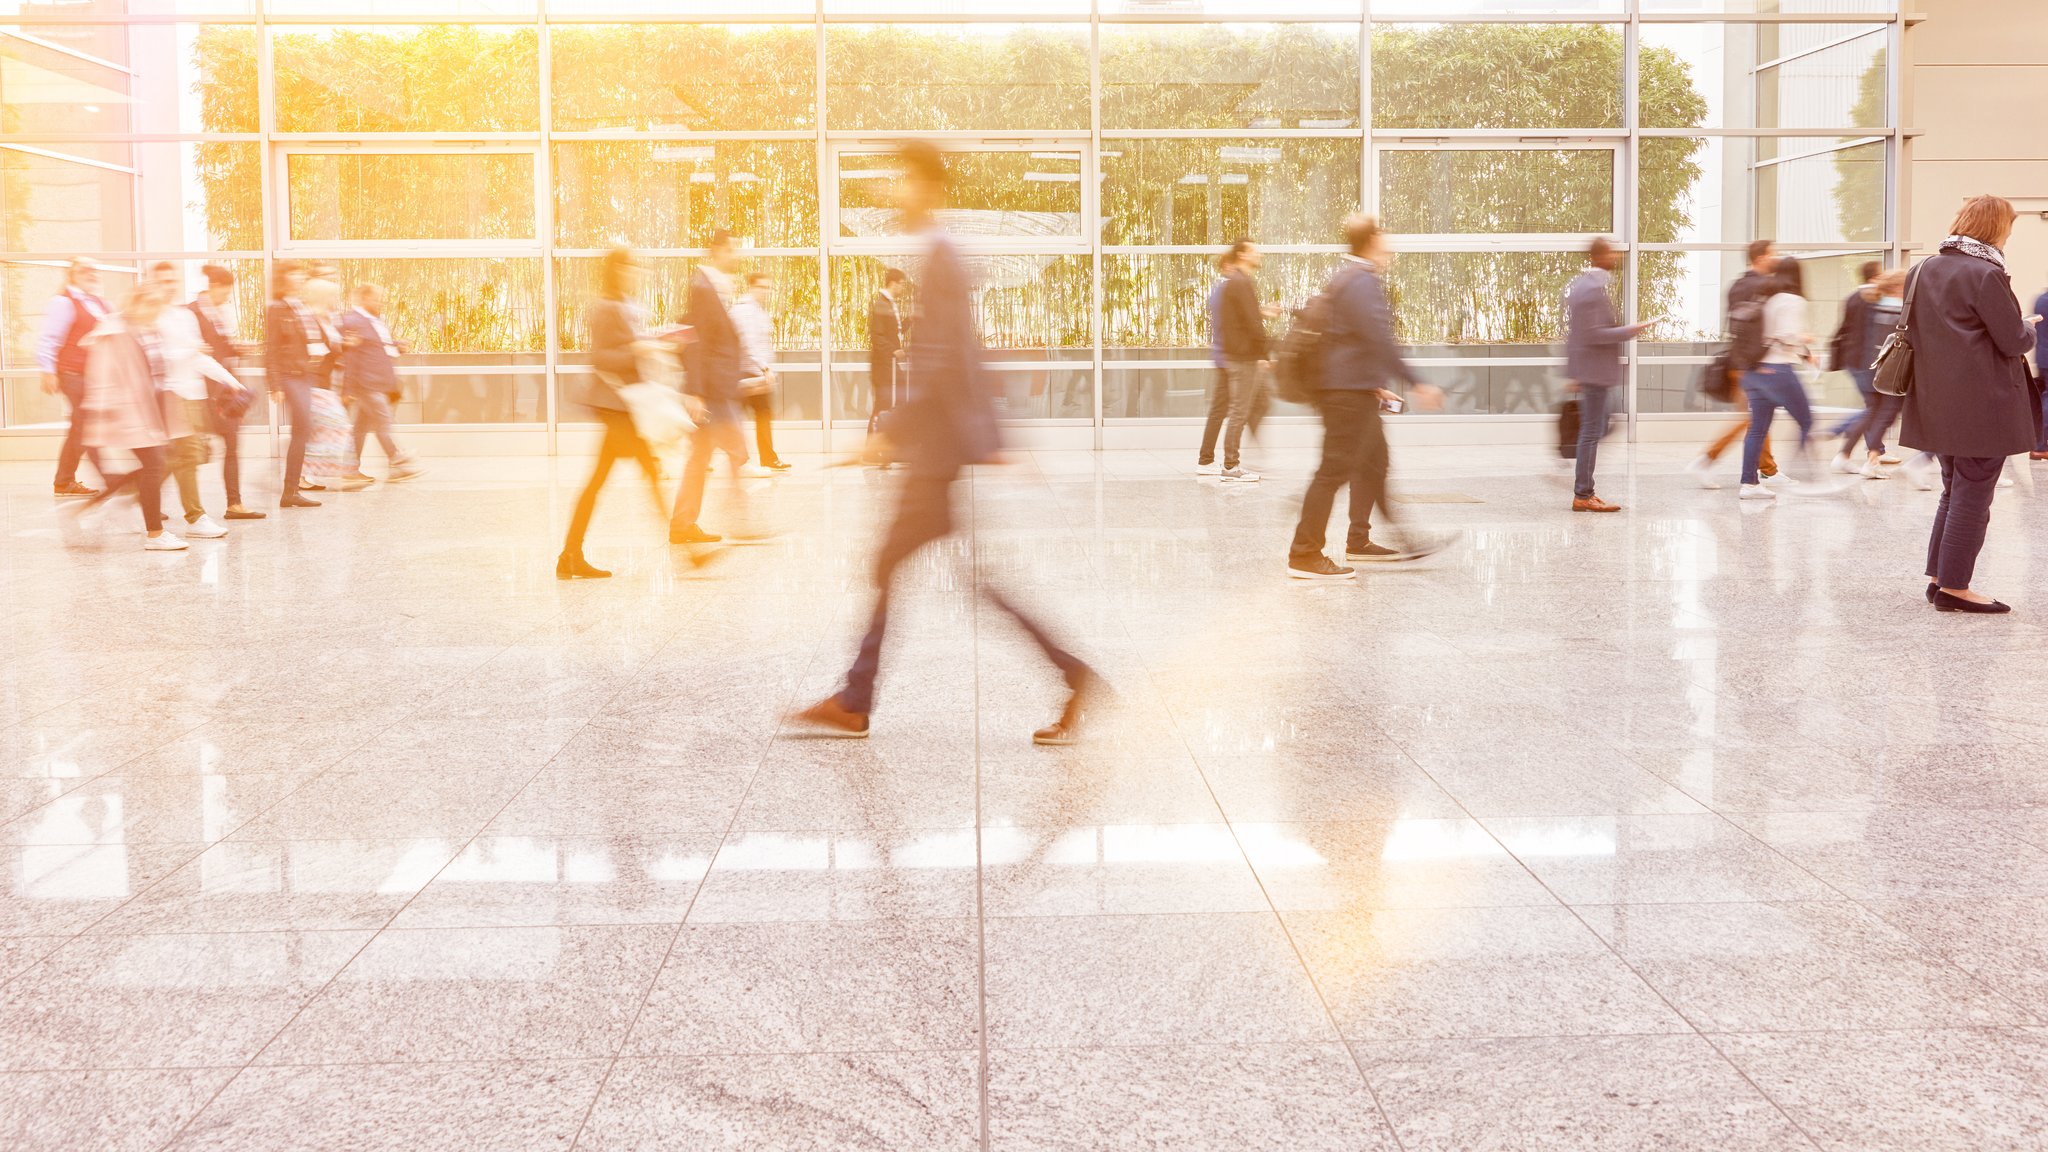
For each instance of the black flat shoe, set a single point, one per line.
(577, 568)
(1932, 588)
(297, 502)
(244, 514)
(1943, 602)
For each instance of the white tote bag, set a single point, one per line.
(658, 413)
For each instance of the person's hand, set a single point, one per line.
(1387, 395)
(1645, 326)
(1429, 396)
(49, 384)
(2033, 320)
(1571, 386)
(694, 405)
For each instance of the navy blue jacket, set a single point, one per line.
(1359, 350)
(1970, 394)
(712, 360)
(1593, 335)
(949, 420)
(2041, 336)
(366, 368)
(1242, 324)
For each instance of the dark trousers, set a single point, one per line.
(1354, 453)
(1219, 409)
(1596, 413)
(924, 513)
(298, 400)
(881, 391)
(719, 432)
(1967, 485)
(230, 434)
(621, 442)
(1769, 388)
(148, 481)
(1879, 410)
(762, 405)
(72, 385)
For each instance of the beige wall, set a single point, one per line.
(1978, 91)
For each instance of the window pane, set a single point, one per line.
(1156, 306)
(1733, 189)
(993, 194)
(684, 77)
(451, 309)
(1497, 7)
(58, 206)
(1496, 76)
(201, 196)
(925, 77)
(368, 8)
(1744, 7)
(956, 7)
(666, 295)
(475, 196)
(1214, 191)
(1471, 190)
(681, 7)
(1476, 386)
(673, 194)
(1684, 292)
(1230, 76)
(111, 78)
(437, 77)
(1764, 76)
(1232, 7)
(1501, 298)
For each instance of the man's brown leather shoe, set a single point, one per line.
(1593, 504)
(828, 718)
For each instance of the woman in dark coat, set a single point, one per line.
(1969, 405)
(616, 322)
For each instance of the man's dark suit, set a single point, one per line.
(947, 422)
(885, 340)
(712, 371)
(225, 354)
(289, 365)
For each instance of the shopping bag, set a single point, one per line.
(658, 413)
(330, 447)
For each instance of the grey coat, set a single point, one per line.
(1970, 395)
(1593, 335)
(614, 326)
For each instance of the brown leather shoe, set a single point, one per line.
(1593, 504)
(828, 718)
(2037, 455)
(74, 488)
(1067, 728)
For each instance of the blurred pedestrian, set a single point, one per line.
(1593, 342)
(60, 353)
(190, 376)
(369, 374)
(886, 328)
(294, 347)
(1219, 391)
(1879, 409)
(1775, 382)
(1242, 320)
(125, 406)
(711, 390)
(617, 326)
(752, 315)
(219, 321)
(1748, 288)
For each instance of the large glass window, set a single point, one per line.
(430, 78)
(1731, 189)
(684, 77)
(358, 196)
(1230, 76)
(675, 193)
(928, 77)
(1763, 75)
(1490, 190)
(1497, 75)
(1212, 191)
(63, 79)
(1025, 195)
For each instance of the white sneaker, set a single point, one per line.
(1873, 470)
(1212, 468)
(1702, 471)
(753, 471)
(2005, 480)
(164, 543)
(1843, 465)
(1777, 478)
(205, 528)
(1756, 492)
(1887, 458)
(1239, 475)
(1919, 470)
(404, 472)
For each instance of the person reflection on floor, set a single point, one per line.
(947, 422)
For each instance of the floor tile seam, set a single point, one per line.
(983, 1119)
(654, 977)
(74, 937)
(1273, 912)
(1946, 959)
(369, 939)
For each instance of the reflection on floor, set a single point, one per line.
(1688, 828)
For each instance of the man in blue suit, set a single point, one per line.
(369, 378)
(947, 423)
(1593, 339)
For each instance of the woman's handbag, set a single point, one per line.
(657, 411)
(331, 448)
(1892, 371)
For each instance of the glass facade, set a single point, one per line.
(477, 156)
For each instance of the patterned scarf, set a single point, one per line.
(1969, 246)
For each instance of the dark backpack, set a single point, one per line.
(1298, 369)
(1746, 345)
(1717, 379)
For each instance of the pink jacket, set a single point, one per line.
(125, 404)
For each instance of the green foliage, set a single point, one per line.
(926, 78)
(469, 305)
(438, 77)
(1497, 76)
(672, 195)
(1229, 76)
(1859, 198)
(689, 77)
(1211, 192)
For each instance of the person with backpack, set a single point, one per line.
(61, 354)
(1774, 382)
(1347, 332)
(1850, 336)
(1745, 350)
(1593, 341)
(1879, 409)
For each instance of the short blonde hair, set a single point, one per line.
(1985, 218)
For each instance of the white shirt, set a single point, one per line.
(1785, 329)
(187, 363)
(757, 336)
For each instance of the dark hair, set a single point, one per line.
(217, 276)
(754, 278)
(1758, 249)
(1238, 248)
(1787, 277)
(611, 273)
(719, 238)
(1600, 246)
(1360, 231)
(1985, 218)
(922, 160)
(280, 276)
(891, 277)
(1871, 270)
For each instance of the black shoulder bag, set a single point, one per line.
(1892, 371)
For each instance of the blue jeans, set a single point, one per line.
(2041, 440)
(1862, 378)
(1769, 388)
(1596, 414)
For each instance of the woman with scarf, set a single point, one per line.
(1969, 405)
(126, 409)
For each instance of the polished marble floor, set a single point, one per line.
(1688, 828)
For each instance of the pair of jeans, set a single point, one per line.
(2041, 436)
(924, 513)
(1736, 432)
(1246, 381)
(621, 442)
(148, 482)
(1862, 378)
(1596, 417)
(298, 400)
(72, 385)
(1354, 453)
(1219, 409)
(762, 406)
(230, 434)
(188, 453)
(373, 418)
(719, 432)
(1967, 485)
(1878, 413)
(1770, 387)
